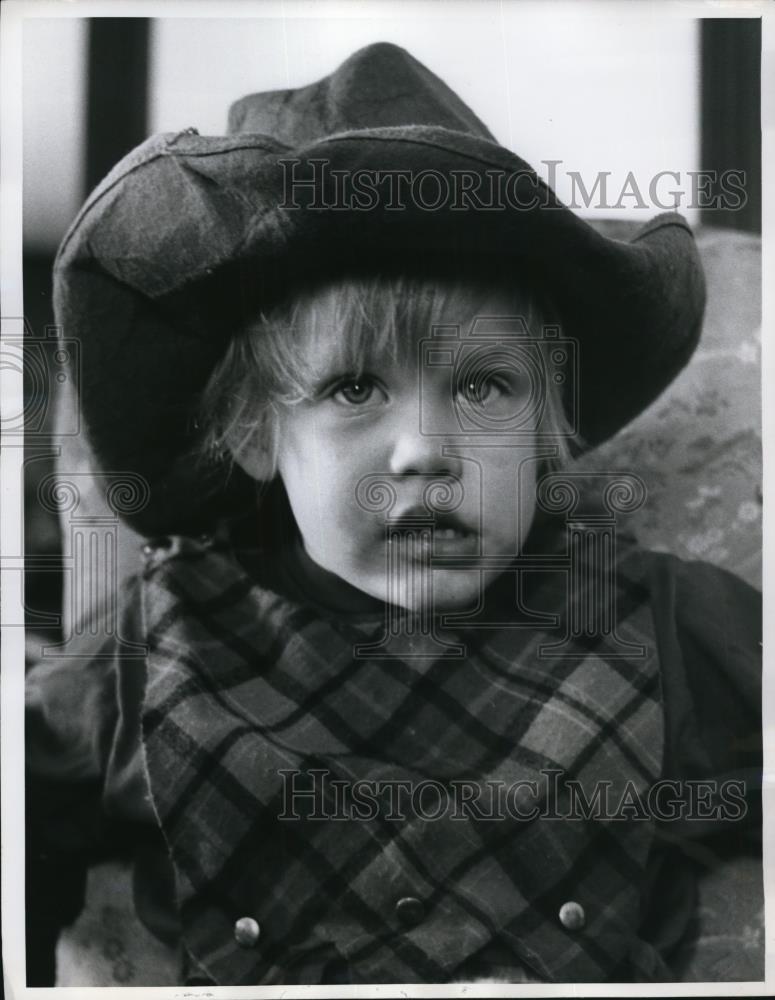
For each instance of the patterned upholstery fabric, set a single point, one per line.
(698, 447)
(728, 940)
(107, 945)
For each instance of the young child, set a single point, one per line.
(383, 706)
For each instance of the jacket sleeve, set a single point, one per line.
(703, 908)
(711, 675)
(83, 711)
(84, 774)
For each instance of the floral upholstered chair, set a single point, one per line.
(698, 448)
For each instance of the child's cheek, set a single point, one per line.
(358, 449)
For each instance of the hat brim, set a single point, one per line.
(190, 235)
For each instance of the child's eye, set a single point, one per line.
(358, 391)
(484, 389)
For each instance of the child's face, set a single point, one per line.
(368, 423)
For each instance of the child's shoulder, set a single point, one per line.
(708, 629)
(712, 609)
(707, 620)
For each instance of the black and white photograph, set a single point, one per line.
(382, 493)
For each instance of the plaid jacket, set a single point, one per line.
(247, 691)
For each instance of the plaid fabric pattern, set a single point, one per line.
(244, 685)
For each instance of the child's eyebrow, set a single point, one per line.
(319, 383)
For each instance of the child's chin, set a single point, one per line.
(453, 590)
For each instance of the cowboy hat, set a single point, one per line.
(379, 164)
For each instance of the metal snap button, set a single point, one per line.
(410, 911)
(572, 916)
(246, 932)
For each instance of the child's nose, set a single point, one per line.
(416, 453)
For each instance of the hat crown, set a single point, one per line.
(381, 85)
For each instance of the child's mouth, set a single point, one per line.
(449, 536)
(443, 534)
(454, 541)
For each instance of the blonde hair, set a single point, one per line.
(266, 366)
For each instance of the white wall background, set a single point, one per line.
(611, 88)
(53, 96)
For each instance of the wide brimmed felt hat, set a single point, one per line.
(377, 166)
